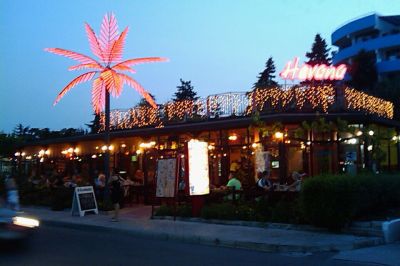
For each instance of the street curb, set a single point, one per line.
(265, 225)
(265, 247)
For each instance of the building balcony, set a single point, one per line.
(378, 43)
(358, 25)
(388, 66)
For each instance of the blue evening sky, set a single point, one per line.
(220, 45)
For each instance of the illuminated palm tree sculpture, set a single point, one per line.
(108, 49)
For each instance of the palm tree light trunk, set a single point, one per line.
(107, 143)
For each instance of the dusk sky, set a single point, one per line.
(220, 45)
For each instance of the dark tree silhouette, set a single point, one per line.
(185, 92)
(363, 71)
(266, 78)
(319, 53)
(95, 125)
(143, 102)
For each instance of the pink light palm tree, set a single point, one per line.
(108, 49)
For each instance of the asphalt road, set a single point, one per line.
(66, 246)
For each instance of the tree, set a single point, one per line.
(363, 71)
(319, 54)
(266, 78)
(95, 124)
(185, 92)
(20, 131)
(389, 89)
(143, 101)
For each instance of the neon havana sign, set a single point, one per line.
(307, 72)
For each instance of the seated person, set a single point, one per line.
(139, 177)
(233, 182)
(264, 182)
(100, 181)
(297, 180)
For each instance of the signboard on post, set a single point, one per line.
(199, 181)
(261, 160)
(84, 200)
(166, 178)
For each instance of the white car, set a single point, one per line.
(15, 225)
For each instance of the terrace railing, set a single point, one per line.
(325, 98)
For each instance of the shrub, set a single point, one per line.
(327, 201)
(224, 211)
(61, 198)
(184, 210)
(169, 210)
(332, 201)
(164, 210)
(245, 212)
(286, 212)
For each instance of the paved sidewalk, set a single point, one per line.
(136, 221)
(382, 255)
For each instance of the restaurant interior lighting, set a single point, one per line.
(232, 137)
(254, 145)
(278, 135)
(211, 147)
(94, 156)
(17, 154)
(23, 153)
(147, 144)
(123, 145)
(352, 141)
(104, 148)
(76, 150)
(371, 133)
(111, 147)
(47, 152)
(138, 152)
(70, 150)
(359, 133)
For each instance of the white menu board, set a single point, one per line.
(199, 181)
(261, 161)
(166, 178)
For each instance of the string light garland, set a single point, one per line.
(315, 97)
(360, 101)
(298, 98)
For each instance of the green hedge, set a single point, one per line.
(56, 198)
(184, 210)
(333, 201)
